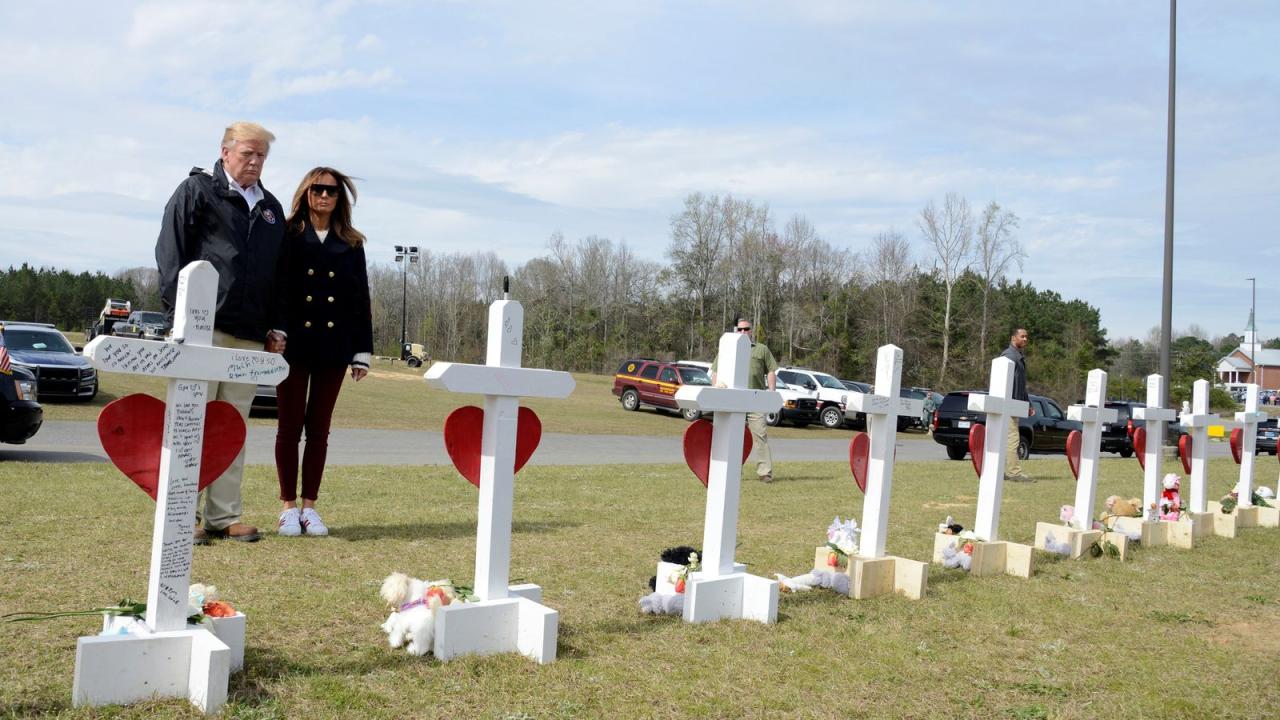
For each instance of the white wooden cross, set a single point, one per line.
(740, 595)
(882, 407)
(1001, 409)
(502, 382)
(190, 362)
(1153, 418)
(1248, 420)
(1092, 414)
(1198, 422)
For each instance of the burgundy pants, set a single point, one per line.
(313, 411)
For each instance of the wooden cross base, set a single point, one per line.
(873, 577)
(520, 623)
(1202, 524)
(989, 558)
(194, 663)
(1268, 517)
(1079, 540)
(1229, 524)
(1152, 534)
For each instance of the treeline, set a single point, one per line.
(943, 292)
(592, 302)
(68, 300)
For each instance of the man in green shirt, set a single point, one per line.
(762, 371)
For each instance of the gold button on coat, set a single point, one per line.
(311, 271)
(330, 323)
(330, 273)
(306, 324)
(308, 298)
(330, 298)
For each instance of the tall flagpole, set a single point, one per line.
(1166, 314)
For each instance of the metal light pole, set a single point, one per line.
(1253, 341)
(405, 254)
(1166, 311)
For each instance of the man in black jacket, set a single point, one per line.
(226, 217)
(1017, 341)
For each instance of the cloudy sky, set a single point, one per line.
(490, 125)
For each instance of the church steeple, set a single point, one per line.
(1250, 345)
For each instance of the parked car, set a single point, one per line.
(922, 420)
(1268, 433)
(832, 395)
(59, 371)
(264, 400)
(799, 406)
(143, 324)
(1117, 437)
(644, 381)
(857, 420)
(1044, 432)
(20, 415)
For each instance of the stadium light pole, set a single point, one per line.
(405, 254)
(1253, 320)
(1166, 310)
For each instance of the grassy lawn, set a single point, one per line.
(1172, 633)
(396, 397)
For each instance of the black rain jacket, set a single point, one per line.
(207, 220)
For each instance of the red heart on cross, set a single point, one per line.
(1237, 442)
(1184, 451)
(860, 458)
(463, 434)
(1140, 446)
(977, 446)
(697, 447)
(1074, 442)
(132, 431)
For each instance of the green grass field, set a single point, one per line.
(1170, 634)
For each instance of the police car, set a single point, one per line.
(43, 351)
(20, 415)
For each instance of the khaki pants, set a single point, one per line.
(220, 504)
(760, 444)
(1012, 465)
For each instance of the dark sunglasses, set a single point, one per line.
(742, 329)
(330, 190)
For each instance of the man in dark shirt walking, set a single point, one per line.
(1017, 341)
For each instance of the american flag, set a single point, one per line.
(4, 362)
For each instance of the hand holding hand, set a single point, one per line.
(275, 342)
(358, 373)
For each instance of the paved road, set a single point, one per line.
(64, 441)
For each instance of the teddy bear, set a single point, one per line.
(1170, 506)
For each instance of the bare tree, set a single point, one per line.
(697, 242)
(950, 233)
(891, 274)
(996, 251)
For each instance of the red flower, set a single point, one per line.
(438, 592)
(218, 609)
(968, 548)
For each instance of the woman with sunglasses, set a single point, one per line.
(326, 291)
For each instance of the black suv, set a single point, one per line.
(20, 414)
(1044, 432)
(1268, 432)
(60, 371)
(1117, 437)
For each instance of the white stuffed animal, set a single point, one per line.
(413, 610)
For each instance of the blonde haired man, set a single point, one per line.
(225, 215)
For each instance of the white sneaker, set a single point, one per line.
(290, 526)
(312, 523)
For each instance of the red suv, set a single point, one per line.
(651, 382)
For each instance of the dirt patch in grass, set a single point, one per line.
(1256, 637)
